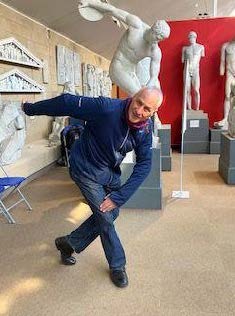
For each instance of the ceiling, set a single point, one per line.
(103, 36)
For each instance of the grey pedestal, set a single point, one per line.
(215, 136)
(149, 194)
(227, 159)
(196, 137)
(164, 134)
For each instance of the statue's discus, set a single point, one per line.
(90, 14)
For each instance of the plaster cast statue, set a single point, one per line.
(60, 122)
(58, 125)
(191, 56)
(89, 80)
(231, 114)
(227, 68)
(139, 41)
(69, 87)
(107, 85)
(12, 133)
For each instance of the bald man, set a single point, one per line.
(114, 127)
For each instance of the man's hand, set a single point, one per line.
(107, 205)
(22, 105)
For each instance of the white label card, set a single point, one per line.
(194, 123)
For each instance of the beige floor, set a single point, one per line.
(181, 261)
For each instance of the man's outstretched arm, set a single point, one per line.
(81, 107)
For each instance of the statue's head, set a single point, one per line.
(160, 30)
(192, 36)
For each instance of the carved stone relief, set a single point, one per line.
(17, 81)
(12, 132)
(68, 66)
(45, 72)
(96, 81)
(13, 51)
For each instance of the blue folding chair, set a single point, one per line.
(12, 184)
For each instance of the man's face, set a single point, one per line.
(143, 106)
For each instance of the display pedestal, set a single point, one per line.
(227, 159)
(149, 194)
(164, 134)
(196, 136)
(215, 139)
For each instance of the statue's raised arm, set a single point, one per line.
(106, 8)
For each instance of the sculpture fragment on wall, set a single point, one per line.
(68, 66)
(16, 81)
(13, 51)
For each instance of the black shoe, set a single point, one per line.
(66, 251)
(119, 277)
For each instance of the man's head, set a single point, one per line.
(160, 30)
(144, 104)
(192, 36)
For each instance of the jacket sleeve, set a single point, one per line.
(140, 172)
(84, 108)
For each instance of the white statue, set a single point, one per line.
(57, 126)
(231, 114)
(139, 41)
(60, 122)
(12, 133)
(69, 87)
(89, 80)
(227, 67)
(191, 56)
(107, 85)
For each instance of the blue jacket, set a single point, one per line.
(106, 139)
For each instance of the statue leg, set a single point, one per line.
(188, 97)
(187, 91)
(124, 78)
(224, 122)
(196, 87)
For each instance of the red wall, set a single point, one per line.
(212, 33)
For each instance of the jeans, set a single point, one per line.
(99, 223)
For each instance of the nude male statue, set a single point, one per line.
(227, 68)
(138, 42)
(191, 56)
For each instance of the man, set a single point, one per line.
(114, 127)
(138, 42)
(191, 56)
(227, 67)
